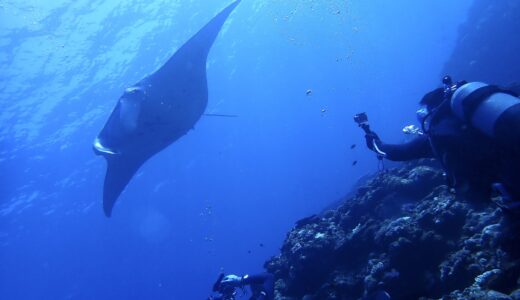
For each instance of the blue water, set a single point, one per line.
(223, 196)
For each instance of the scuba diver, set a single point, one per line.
(473, 130)
(261, 285)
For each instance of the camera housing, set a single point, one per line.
(361, 118)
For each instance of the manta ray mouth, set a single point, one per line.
(99, 149)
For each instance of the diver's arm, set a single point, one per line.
(415, 149)
(264, 283)
(256, 279)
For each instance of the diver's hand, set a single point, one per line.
(231, 280)
(372, 138)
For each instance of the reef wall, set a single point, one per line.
(488, 46)
(403, 234)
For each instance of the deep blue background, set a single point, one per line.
(208, 201)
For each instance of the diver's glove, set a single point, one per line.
(371, 139)
(231, 281)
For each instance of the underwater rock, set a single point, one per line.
(403, 233)
(494, 27)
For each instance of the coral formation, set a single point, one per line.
(403, 233)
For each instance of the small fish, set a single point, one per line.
(352, 146)
(354, 163)
(308, 92)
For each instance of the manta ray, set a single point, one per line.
(156, 111)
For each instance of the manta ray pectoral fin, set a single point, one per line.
(199, 44)
(120, 169)
(133, 133)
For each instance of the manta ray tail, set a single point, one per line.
(119, 172)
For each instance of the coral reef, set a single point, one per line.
(403, 233)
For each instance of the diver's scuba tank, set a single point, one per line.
(496, 113)
(489, 109)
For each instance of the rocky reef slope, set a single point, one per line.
(488, 46)
(405, 234)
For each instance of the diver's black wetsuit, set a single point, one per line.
(415, 149)
(472, 160)
(262, 286)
